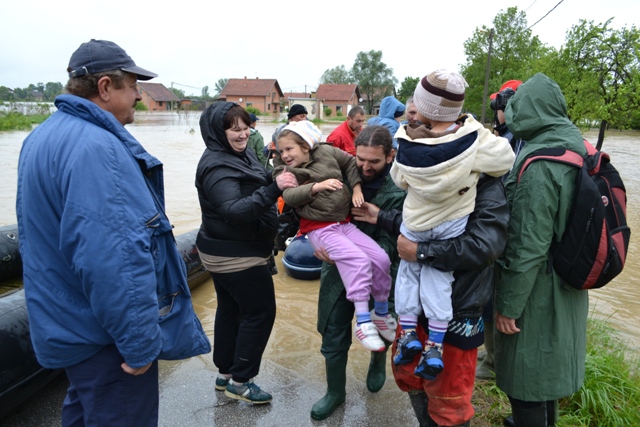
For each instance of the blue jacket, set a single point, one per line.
(95, 243)
(386, 117)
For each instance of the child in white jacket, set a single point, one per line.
(439, 164)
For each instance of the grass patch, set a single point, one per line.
(609, 397)
(490, 403)
(18, 121)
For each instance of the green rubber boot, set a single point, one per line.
(336, 390)
(377, 374)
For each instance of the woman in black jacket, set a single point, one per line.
(239, 223)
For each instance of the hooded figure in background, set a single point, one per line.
(390, 111)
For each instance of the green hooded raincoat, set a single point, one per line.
(545, 360)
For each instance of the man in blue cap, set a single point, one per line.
(97, 248)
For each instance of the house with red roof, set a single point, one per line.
(338, 97)
(157, 97)
(263, 94)
(298, 95)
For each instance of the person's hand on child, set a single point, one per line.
(286, 180)
(367, 212)
(323, 255)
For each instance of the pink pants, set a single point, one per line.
(362, 263)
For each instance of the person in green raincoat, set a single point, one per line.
(540, 346)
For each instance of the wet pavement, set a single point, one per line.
(292, 371)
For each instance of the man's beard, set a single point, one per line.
(368, 179)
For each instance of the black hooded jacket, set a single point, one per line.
(237, 195)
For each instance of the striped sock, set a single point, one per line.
(362, 312)
(437, 329)
(408, 321)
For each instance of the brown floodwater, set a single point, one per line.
(293, 369)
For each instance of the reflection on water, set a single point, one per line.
(175, 139)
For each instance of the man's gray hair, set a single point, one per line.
(87, 86)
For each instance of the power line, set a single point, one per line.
(534, 2)
(180, 84)
(545, 15)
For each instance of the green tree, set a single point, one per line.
(337, 75)
(514, 55)
(178, 92)
(220, 84)
(6, 94)
(51, 90)
(407, 87)
(599, 71)
(205, 92)
(374, 78)
(20, 94)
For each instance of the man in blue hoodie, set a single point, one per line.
(97, 248)
(390, 111)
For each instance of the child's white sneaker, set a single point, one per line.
(367, 334)
(386, 325)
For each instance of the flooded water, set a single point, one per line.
(293, 369)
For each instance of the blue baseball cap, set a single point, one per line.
(97, 56)
(253, 117)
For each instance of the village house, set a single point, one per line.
(338, 97)
(262, 94)
(380, 93)
(157, 97)
(298, 95)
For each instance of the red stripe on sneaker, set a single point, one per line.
(381, 324)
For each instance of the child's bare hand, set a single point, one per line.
(329, 185)
(358, 198)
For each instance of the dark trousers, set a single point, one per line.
(101, 394)
(534, 414)
(244, 319)
(338, 332)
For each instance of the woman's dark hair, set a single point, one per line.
(235, 114)
(373, 136)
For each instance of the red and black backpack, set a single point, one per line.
(593, 248)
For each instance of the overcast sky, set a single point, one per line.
(195, 43)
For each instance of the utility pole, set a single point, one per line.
(486, 78)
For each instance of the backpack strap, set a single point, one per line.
(559, 155)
